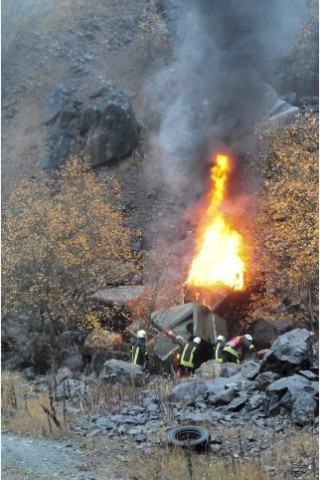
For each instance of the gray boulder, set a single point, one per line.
(209, 370)
(119, 295)
(109, 127)
(221, 396)
(103, 124)
(290, 353)
(237, 403)
(283, 393)
(188, 392)
(119, 371)
(55, 102)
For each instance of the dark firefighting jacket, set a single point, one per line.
(139, 354)
(238, 346)
(188, 353)
(217, 350)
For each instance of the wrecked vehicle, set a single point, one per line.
(174, 326)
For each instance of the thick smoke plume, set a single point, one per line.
(213, 93)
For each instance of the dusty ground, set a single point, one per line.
(290, 454)
(26, 458)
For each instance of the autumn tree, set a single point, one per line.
(286, 216)
(62, 239)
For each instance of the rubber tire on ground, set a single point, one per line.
(179, 436)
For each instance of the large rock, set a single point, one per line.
(103, 124)
(209, 370)
(55, 102)
(109, 127)
(221, 396)
(223, 390)
(119, 371)
(282, 394)
(60, 113)
(188, 392)
(119, 295)
(290, 353)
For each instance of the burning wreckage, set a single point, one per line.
(174, 326)
(218, 263)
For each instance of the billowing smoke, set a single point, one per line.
(213, 92)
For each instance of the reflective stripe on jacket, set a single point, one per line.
(138, 353)
(232, 350)
(188, 354)
(218, 351)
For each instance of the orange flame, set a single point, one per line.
(218, 260)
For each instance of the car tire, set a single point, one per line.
(189, 436)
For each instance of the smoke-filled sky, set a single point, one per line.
(213, 92)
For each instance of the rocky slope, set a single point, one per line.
(123, 42)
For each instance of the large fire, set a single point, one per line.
(218, 260)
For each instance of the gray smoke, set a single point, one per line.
(213, 93)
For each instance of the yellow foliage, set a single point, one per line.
(286, 219)
(62, 240)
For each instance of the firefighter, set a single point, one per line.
(217, 348)
(139, 354)
(188, 357)
(235, 349)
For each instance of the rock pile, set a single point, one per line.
(252, 392)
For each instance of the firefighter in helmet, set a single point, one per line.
(188, 357)
(235, 349)
(218, 347)
(139, 354)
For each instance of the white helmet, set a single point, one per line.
(248, 337)
(141, 334)
(197, 340)
(220, 338)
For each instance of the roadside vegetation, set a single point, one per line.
(62, 240)
(285, 225)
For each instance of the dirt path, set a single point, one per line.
(25, 458)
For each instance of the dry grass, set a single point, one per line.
(200, 467)
(26, 411)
